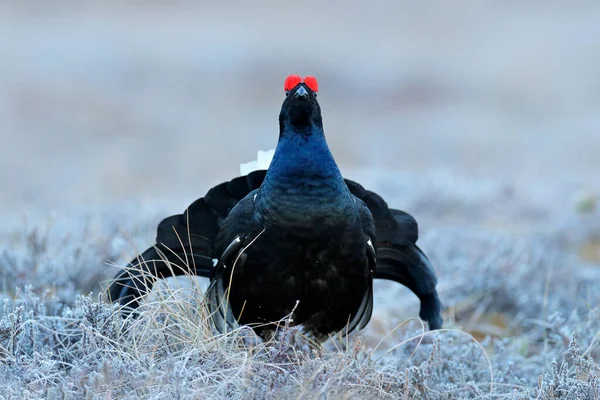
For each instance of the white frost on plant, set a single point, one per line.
(263, 160)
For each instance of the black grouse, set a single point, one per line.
(295, 240)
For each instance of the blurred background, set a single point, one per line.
(103, 102)
(482, 119)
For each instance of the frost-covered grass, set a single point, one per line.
(522, 320)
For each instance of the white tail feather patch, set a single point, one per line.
(263, 160)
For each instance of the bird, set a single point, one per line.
(296, 241)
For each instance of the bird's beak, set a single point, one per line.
(301, 93)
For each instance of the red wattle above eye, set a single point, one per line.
(291, 82)
(311, 82)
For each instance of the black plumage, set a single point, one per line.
(296, 240)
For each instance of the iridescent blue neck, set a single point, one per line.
(302, 162)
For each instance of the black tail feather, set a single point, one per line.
(185, 241)
(406, 264)
(139, 276)
(399, 259)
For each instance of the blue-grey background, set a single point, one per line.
(482, 119)
(111, 100)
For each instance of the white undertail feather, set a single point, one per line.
(263, 160)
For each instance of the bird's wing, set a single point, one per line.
(363, 315)
(184, 242)
(237, 232)
(365, 310)
(398, 257)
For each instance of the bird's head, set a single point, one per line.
(300, 111)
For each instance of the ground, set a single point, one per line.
(480, 120)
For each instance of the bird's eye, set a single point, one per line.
(287, 93)
(315, 94)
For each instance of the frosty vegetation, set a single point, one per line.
(522, 316)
